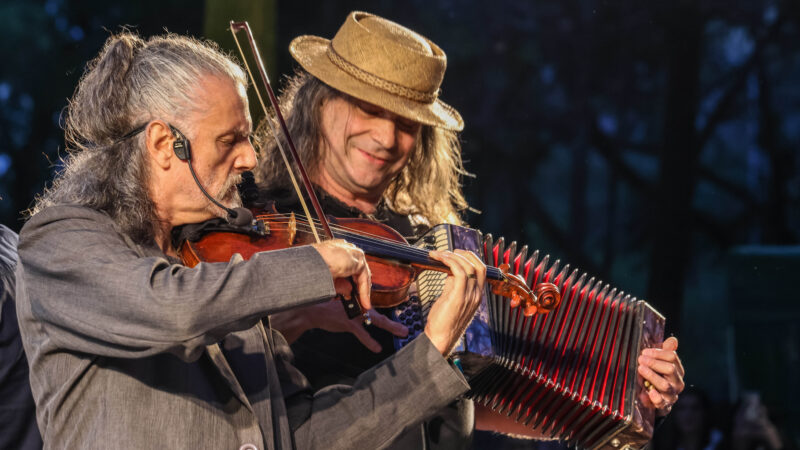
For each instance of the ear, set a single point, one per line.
(159, 139)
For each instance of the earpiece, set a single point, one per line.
(181, 145)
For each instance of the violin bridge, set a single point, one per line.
(292, 228)
(262, 227)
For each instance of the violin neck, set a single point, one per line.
(492, 273)
(417, 257)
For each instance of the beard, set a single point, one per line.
(228, 195)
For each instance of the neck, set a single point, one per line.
(163, 239)
(160, 194)
(364, 202)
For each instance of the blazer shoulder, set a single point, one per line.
(60, 213)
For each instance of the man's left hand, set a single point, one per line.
(331, 316)
(663, 369)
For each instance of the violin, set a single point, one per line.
(394, 263)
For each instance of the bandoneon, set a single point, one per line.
(570, 373)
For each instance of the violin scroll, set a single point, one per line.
(543, 299)
(548, 295)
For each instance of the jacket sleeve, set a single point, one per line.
(95, 294)
(385, 401)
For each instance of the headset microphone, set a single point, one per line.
(237, 217)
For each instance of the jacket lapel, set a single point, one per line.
(225, 369)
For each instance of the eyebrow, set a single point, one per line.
(237, 132)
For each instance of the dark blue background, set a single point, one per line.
(652, 144)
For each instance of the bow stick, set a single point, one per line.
(351, 305)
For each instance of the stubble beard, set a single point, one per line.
(228, 195)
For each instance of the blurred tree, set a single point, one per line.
(671, 219)
(262, 18)
(46, 46)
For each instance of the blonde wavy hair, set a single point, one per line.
(428, 189)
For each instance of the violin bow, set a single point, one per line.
(351, 306)
(237, 26)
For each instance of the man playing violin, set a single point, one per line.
(128, 348)
(378, 143)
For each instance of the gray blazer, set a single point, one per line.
(131, 350)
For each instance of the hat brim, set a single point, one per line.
(311, 53)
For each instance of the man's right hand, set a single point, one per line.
(452, 312)
(346, 260)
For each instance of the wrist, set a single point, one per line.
(442, 344)
(434, 341)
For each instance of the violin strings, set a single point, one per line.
(302, 221)
(371, 239)
(400, 250)
(344, 232)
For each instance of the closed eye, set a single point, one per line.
(405, 125)
(232, 140)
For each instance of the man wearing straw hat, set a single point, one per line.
(378, 143)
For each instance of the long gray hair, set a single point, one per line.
(428, 188)
(131, 82)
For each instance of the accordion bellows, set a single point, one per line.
(570, 373)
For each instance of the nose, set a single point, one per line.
(246, 159)
(384, 131)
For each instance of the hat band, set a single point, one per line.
(386, 85)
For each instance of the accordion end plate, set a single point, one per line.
(638, 424)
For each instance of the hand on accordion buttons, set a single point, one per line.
(452, 312)
(663, 370)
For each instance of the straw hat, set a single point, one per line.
(383, 63)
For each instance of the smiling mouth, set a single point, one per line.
(373, 157)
